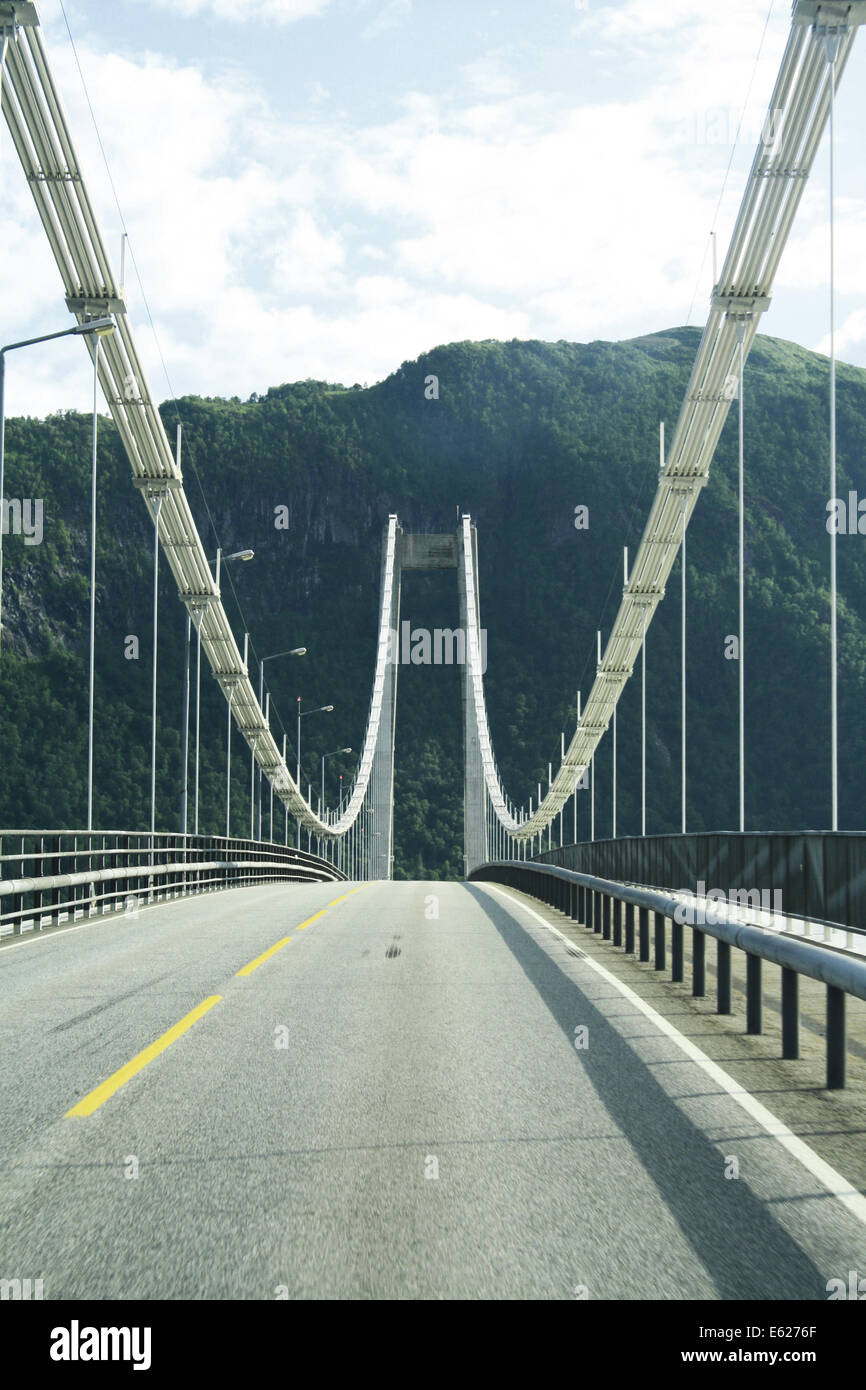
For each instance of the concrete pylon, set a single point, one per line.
(380, 832)
(474, 789)
(423, 551)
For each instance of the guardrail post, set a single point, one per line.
(643, 933)
(723, 977)
(659, 942)
(836, 1051)
(56, 895)
(581, 903)
(596, 912)
(629, 928)
(699, 964)
(605, 918)
(677, 970)
(753, 993)
(575, 903)
(617, 921)
(790, 1013)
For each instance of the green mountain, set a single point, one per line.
(521, 434)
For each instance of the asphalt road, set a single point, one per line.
(390, 1105)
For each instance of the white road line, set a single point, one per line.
(60, 930)
(849, 1196)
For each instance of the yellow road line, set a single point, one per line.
(312, 919)
(266, 955)
(346, 895)
(94, 1099)
(272, 950)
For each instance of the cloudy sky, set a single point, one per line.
(327, 188)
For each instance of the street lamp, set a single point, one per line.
(99, 329)
(295, 651)
(236, 555)
(335, 753)
(322, 709)
(96, 327)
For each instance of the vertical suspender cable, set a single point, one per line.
(643, 728)
(831, 42)
(153, 698)
(741, 332)
(91, 686)
(683, 676)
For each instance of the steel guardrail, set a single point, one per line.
(598, 903)
(157, 868)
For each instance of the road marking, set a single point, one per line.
(100, 1095)
(346, 895)
(94, 1099)
(849, 1196)
(266, 955)
(310, 920)
(272, 950)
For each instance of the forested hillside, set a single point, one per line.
(522, 433)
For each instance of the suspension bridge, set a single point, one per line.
(240, 1068)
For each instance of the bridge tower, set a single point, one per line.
(380, 832)
(475, 848)
(428, 551)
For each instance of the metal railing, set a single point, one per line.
(621, 914)
(821, 874)
(52, 876)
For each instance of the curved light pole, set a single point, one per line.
(229, 760)
(295, 651)
(236, 555)
(98, 326)
(335, 754)
(106, 327)
(322, 709)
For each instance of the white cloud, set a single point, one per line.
(274, 248)
(850, 336)
(489, 76)
(391, 15)
(308, 260)
(281, 11)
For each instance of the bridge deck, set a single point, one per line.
(414, 1044)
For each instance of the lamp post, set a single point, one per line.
(295, 651)
(96, 326)
(220, 558)
(335, 754)
(229, 758)
(106, 327)
(267, 725)
(287, 805)
(322, 709)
